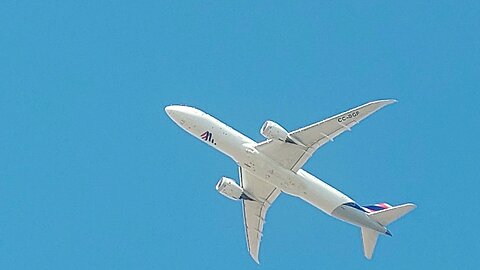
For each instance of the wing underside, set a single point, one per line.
(254, 211)
(293, 156)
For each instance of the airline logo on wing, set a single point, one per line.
(207, 136)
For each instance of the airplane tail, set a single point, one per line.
(385, 216)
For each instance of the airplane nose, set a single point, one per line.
(170, 110)
(178, 113)
(174, 111)
(181, 114)
(181, 110)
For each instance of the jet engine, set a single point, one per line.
(230, 189)
(272, 130)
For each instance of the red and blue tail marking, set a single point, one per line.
(376, 207)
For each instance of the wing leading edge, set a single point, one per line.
(293, 156)
(254, 211)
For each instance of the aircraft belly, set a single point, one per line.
(272, 173)
(300, 184)
(320, 194)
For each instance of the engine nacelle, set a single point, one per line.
(230, 189)
(274, 131)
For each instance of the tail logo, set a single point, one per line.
(377, 207)
(207, 136)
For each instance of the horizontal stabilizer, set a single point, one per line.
(384, 217)
(369, 238)
(389, 215)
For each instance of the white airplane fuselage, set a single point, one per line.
(299, 184)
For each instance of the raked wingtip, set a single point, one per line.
(389, 101)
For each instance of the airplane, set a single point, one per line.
(274, 166)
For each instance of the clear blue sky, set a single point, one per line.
(94, 175)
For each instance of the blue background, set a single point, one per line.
(94, 175)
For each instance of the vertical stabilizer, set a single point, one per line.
(369, 238)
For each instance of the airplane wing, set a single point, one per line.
(254, 211)
(293, 156)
